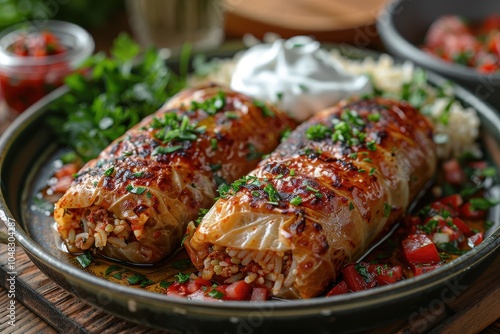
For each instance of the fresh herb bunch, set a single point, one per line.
(110, 95)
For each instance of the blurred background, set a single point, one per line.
(340, 21)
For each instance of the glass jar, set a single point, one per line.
(24, 79)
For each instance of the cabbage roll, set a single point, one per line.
(133, 202)
(338, 183)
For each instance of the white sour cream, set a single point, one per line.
(297, 75)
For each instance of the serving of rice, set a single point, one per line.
(456, 127)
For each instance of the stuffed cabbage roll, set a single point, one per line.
(134, 201)
(333, 187)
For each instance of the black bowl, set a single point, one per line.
(402, 27)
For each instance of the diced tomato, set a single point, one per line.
(385, 275)
(467, 212)
(459, 223)
(354, 280)
(453, 172)
(259, 294)
(441, 207)
(475, 240)
(239, 290)
(418, 248)
(453, 201)
(195, 285)
(452, 232)
(422, 269)
(339, 289)
(177, 290)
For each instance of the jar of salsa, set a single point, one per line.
(35, 59)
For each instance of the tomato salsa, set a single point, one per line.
(34, 61)
(473, 44)
(23, 89)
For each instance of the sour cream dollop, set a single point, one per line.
(297, 75)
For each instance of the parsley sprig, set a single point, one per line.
(114, 95)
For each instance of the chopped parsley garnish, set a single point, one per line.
(483, 203)
(351, 206)
(173, 127)
(201, 214)
(231, 115)
(127, 153)
(166, 149)
(266, 111)
(361, 170)
(318, 132)
(371, 145)
(212, 105)
(216, 294)
(255, 193)
(362, 271)
(374, 117)
(111, 269)
(84, 259)
(273, 194)
(387, 210)
(353, 155)
(138, 174)
(308, 187)
(297, 200)
(292, 172)
(182, 278)
(135, 279)
(488, 224)
(213, 143)
(136, 190)
(367, 160)
(165, 284)
(429, 227)
(285, 134)
(450, 248)
(109, 171)
(372, 171)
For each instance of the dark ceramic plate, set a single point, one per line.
(27, 151)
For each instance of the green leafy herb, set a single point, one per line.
(351, 206)
(375, 117)
(273, 194)
(165, 284)
(166, 149)
(231, 115)
(372, 171)
(84, 259)
(111, 269)
(201, 214)
(135, 279)
(362, 271)
(387, 209)
(488, 224)
(212, 105)
(109, 171)
(213, 143)
(182, 278)
(429, 227)
(138, 174)
(483, 203)
(136, 190)
(318, 132)
(119, 92)
(450, 248)
(146, 282)
(285, 134)
(216, 294)
(297, 200)
(69, 157)
(266, 111)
